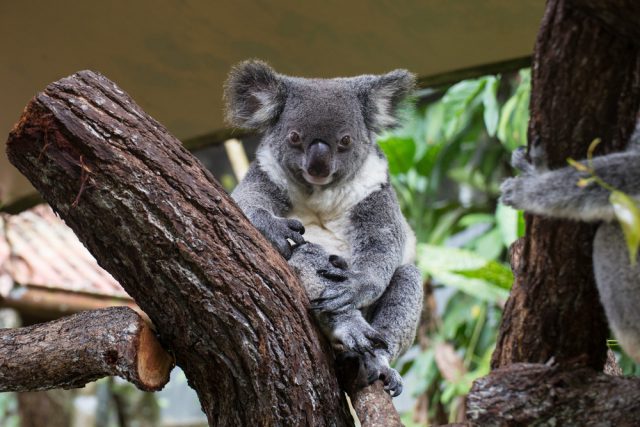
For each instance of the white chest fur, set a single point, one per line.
(325, 212)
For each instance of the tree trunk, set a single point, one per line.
(223, 300)
(586, 85)
(75, 350)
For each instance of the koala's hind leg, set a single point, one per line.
(619, 286)
(397, 313)
(395, 316)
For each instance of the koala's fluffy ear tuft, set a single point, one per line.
(254, 95)
(382, 96)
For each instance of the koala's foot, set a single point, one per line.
(372, 367)
(376, 367)
(350, 332)
(512, 192)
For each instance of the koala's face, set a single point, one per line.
(319, 131)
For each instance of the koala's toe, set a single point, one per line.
(284, 248)
(392, 381)
(295, 225)
(338, 262)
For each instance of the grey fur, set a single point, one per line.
(555, 194)
(364, 293)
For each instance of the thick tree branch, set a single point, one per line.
(525, 394)
(223, 300)
(78, 349)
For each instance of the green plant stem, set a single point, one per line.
(475, 336)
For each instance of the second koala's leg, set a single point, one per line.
(619, 286)
(395, 316)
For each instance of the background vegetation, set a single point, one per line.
(447, 163)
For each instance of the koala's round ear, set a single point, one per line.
(254, 95)
(382, 96)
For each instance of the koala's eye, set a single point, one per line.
(294, 137)
(345, 141)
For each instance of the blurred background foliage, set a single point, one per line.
(446, 164)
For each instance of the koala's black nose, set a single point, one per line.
(319, 159)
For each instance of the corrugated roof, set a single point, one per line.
(38, 249)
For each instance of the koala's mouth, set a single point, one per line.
(317, 180)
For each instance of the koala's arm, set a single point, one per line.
(265, 204)
(555, 193)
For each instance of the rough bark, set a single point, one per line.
(72, 351)
(618, 16)
(586, 84)
(526, 394)
(223, 300)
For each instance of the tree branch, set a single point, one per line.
(78, 349)
(223, 300)
(536, 394)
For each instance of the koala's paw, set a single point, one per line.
(512, 192)
(341, 295)
(376, 367)
(343, 290)
(279, 231)
(356, 335)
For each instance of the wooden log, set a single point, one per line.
(223, 300)
(526, 394)
(74, 350)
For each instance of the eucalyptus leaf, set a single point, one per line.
(490, 102)
(627, 213)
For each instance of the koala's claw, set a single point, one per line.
(338, 262)
(358, 337)
(377, 368)
(519, 160)
(281, 230)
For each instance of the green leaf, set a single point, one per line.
(459, 104)
(514, 116)
(493, 272)
(628, 214)
(400, 153)
(490, 103)
(490, 244)
(508, 221)
(464, 270)
(476, 218)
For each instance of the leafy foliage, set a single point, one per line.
(446, 165)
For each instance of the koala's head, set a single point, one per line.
(319, 131)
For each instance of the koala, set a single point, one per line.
(554, 193)
(319, 191)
